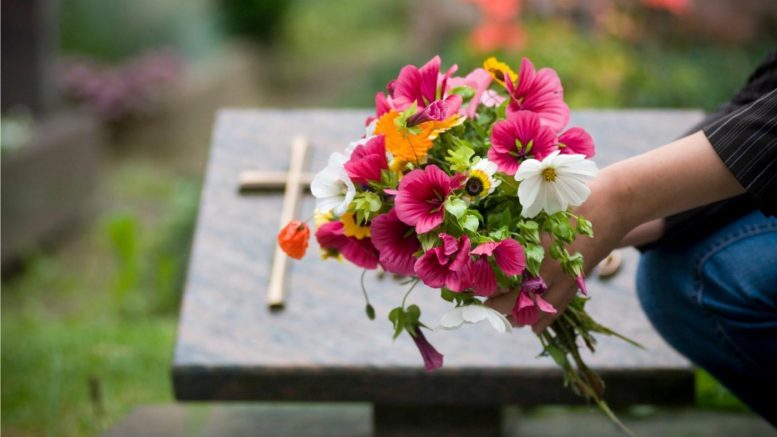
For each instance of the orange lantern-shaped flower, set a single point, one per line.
(293, 239)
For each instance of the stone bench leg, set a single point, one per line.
(430, 420)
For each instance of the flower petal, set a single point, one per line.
(510, 257)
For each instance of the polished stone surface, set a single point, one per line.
(323, 347)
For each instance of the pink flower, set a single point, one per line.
(331, 237)
(508, 254)
(576, 141)
(530, 303)
(367, 161)
(439, 110)
(539, 92)
(483, 277)
(521, 136)
(447, 265)
(509, 257)
(580, 281)
(479, 80)
(421, 197)
(419, 85)
(432, 359)
(396, 242)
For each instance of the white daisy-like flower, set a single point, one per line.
(554, 184)
(332, 187)
(456, 317)
(480, 179)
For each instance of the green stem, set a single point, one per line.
(364, 289)
(408, 292)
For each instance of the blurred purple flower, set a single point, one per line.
(122, 91)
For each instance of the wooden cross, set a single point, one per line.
(292, 182)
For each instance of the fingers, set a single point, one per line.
(559, 296)
(503, 303)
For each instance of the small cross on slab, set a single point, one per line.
(292, 183)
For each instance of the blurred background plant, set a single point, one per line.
(89, 316)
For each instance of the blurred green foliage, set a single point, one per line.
(257, 19)
(116, 29)
(86, 338)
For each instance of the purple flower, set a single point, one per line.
(432, 358)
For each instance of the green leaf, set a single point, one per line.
(530, 230)
(558, 251)
(428, 240)
(464, 91)
(455, 206)
(534, 255)
(397, 318)
(389, 178)
(558, 355)
(470, 222)
(460, 156)
(502, 109)
(584, 227)
(447, 294)
(401, 121)
(559, 226)
(463, 298)
(366, 205)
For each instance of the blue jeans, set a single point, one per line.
(715, 301)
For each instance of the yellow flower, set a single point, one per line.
(321, 217)
(498, 70)
(439, 127)
(353, 229)
(480, 179)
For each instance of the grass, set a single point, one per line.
(88, 330)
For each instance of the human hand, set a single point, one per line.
(604, 209)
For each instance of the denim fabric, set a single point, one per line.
(715, 301)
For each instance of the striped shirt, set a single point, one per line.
(746, 141)
(744, 134)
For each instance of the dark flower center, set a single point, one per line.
(474, 186)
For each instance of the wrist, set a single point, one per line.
(613, 198)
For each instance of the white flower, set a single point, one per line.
(474, 314)
(332, 187)
(553, 184)
(480, 179)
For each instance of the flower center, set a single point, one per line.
(498, 74)
(549, 174)
(474, 186)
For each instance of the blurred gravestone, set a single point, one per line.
(50, 155)
(29, 41)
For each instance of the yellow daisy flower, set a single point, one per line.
(498, 70)
(353, 229)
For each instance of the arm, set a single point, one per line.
(680, 175)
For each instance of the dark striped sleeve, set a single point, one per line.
(746, 141)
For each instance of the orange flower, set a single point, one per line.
(293, 239)
(405, 144)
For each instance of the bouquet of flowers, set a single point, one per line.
(454, 184)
